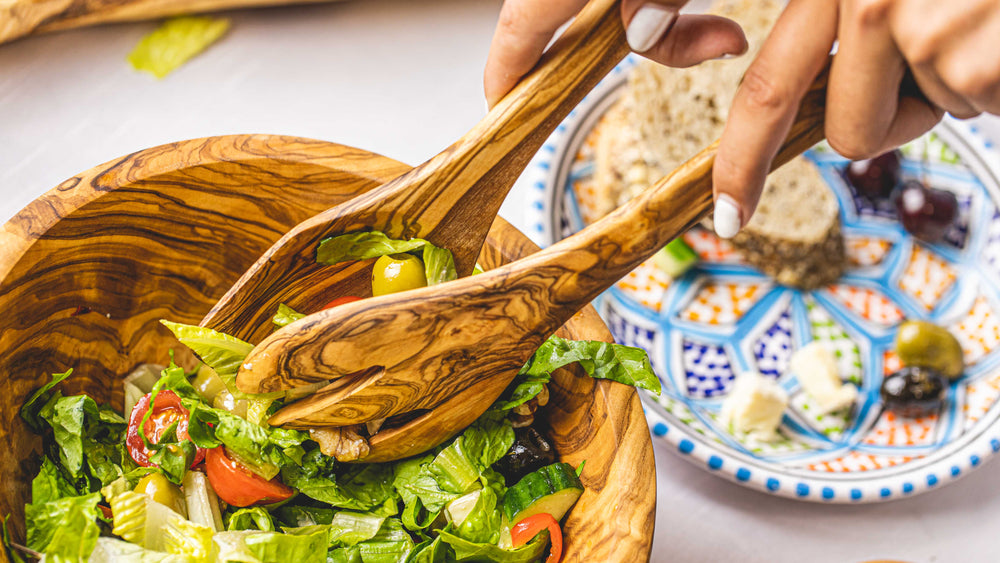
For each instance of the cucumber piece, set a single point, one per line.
(553, 489)
(675, 258)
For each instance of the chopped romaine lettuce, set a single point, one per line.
(359, 487)
(113, 550)
(601, 360)
(50, 485)
(349, 528)
(439, 264)
(65, 528)
(255, 518)
(471, 551)
(33, 406)
(273, 547)
(182, 537)
(175, 42)
(286, 316)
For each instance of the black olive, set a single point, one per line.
(530, 451)
(914, 391)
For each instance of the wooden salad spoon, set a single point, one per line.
(420, 349)
(451, 200)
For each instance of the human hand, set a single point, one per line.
(653, 28)
(947, 48)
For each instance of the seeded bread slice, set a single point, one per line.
(666, 115)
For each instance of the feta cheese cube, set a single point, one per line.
(816, 369)
(754, 406)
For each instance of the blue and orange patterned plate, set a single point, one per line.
(724, 317)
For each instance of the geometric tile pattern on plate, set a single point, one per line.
(723, 318)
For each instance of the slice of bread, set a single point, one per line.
(666, 115)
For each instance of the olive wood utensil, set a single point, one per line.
(19, 18)
(450, 200)
(423, 348)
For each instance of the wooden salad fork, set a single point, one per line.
(450, 200)
(419, 350)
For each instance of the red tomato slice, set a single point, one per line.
(523, 531)
(166, 411)
(239, 486)
(341, 301)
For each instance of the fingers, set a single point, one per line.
(646, 22)
(524, 29)
(765, 106)
(868, 66)
(952, 51)
(695, 38)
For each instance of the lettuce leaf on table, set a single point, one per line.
(175, 42)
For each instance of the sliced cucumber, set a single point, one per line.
(552, 489)
(675, 258)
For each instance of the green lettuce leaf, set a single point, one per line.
(50, 485)
(601, 360)
(471, 551)
(297, 516)
(65, 528)
(182, 537)
(265, 450)
(113, 550)
(439, 264)
(221, 352)
(255, 518)
(33, 406)
(361, 487)
(431, 551)
(175, 42)
(286, 316)
(423, 497)
(391, 544)
(487, 439)
(303, 546)
(482, 525)
(350, 528)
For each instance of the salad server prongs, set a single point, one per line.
(439, 342)
(450, 200)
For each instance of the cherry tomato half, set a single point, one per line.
(239, 486)
(341, 301)
(523, 531)
(166, 411)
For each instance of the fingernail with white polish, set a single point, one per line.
(727, 217)
(648, 25)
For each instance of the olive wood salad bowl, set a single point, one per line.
(88, 270)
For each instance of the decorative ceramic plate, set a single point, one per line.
(724, 317)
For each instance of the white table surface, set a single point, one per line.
(403, 78)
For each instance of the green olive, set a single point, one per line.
(208, 383)
(163, 491)
(397, 272)
(924, 344)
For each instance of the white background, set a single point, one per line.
(403, 78)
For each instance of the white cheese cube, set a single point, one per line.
(754, 406)
(816, 369)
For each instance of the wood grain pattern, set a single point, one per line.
(420, 341)
(451, 199)
(88, 269)
(19, 18)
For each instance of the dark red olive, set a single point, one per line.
(876, 177)
(926, 213)
(914, 391)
